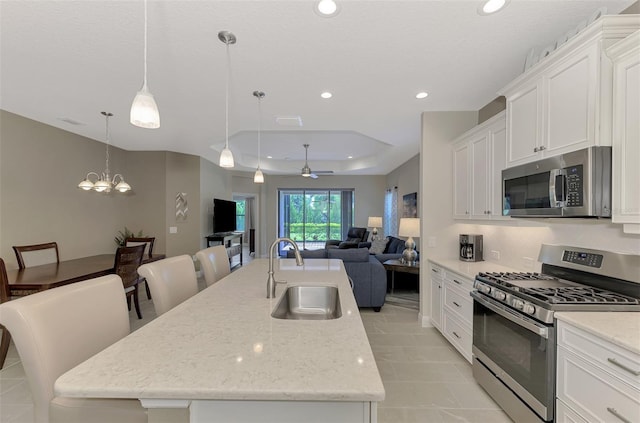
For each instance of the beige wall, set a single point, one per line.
(41, 166)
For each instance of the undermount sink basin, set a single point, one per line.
(309, 303)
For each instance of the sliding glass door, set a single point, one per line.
(311, 217)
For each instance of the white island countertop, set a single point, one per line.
(223, 344)
(619, 327)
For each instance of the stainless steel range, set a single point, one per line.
(514, 332)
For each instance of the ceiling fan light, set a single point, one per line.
(144, 110)
(258, 177)
(306, 171)
(226, 158)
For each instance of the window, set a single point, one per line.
(311, 217)
(240, 215)
(391, 212)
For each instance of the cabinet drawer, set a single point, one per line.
(606, 355)
(461, 282)
(458, 334)
(593, 393)
(565, 414)
(458, 304)
(435, 271)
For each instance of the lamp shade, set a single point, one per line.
(374, 222)
(144, 110)
(410, 227)
(226, 158)
(258, 177)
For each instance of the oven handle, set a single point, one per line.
(510, 315)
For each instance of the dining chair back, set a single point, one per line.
(214, 262)
(5, 294)
(35, 255)
(148, 251)
(128, 259)
(171, 280)
(57, 329)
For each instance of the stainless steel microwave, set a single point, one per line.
(576, 184)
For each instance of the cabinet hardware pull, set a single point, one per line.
(536, 149)
(458, 282)
(542, 147)
(615, 413)
(435, 270)
(622, 366)
(458, 336)
(456, 304)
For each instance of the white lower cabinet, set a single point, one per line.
(597, 381)
(452, 307)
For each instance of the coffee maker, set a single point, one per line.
(471, 247)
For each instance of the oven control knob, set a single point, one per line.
(519, 304)
(499, 295)
(484, 288)
(529, 309)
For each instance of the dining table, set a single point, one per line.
(46, 276)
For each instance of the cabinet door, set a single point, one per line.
(626, 140)
(498, 164)
(480, 171)
(570, 98)
(524, 120)
(461, 181)
(436, 297)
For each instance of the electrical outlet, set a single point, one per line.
(431, 242)
(527, 262)
(495, 254)
(173, 229)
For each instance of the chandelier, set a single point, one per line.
(104, 182)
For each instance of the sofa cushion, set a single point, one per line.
(378, 246)
(349, 255)
(322, 253)
(395, 246)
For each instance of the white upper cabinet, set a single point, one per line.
(479, 156)
(563, 103)
(626, 133)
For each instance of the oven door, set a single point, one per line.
(517, 350)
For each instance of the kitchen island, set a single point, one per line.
(221, 356)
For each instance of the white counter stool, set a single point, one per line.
(57, 329)
(171, 280)
(214, 262)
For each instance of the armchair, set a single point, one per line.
(355, 236)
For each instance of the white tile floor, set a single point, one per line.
(425, 379)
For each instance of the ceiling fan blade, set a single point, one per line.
(313, 176)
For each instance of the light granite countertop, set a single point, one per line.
(621, 328)
(470, 269)
(223, 344)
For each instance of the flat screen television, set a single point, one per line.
(224, 216)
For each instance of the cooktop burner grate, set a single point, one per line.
(515, 276)
(579, 295)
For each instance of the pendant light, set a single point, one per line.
(226, 157)
(103, 182)
(144, 110)
(258, 177)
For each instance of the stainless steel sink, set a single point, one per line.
(309, 303)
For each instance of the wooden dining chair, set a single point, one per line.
(57, 329)
(214, 262)
(35, 255)
(148, 251)
(128, 259)
(172, 280)
(5, 295)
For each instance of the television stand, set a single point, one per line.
(227, 239)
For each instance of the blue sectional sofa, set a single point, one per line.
(365, 270)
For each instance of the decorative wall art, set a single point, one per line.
(182, 207)
(410, 205)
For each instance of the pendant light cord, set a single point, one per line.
(259, 126)
(226, 109)
(144, 82)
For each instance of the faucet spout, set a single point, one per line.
(271, 281)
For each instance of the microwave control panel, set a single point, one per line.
(574, 186)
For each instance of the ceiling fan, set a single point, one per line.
(306, 170)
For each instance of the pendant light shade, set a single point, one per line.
(144, 110)
(258, 178)
(226, 156)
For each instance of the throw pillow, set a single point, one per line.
(378, 246)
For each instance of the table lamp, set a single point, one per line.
(374, 222)
(409, 227)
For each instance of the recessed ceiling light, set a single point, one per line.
(349, 157)
(491, 6)
(422, 94)
(326, 8)
(269, 157)
(326, 94)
